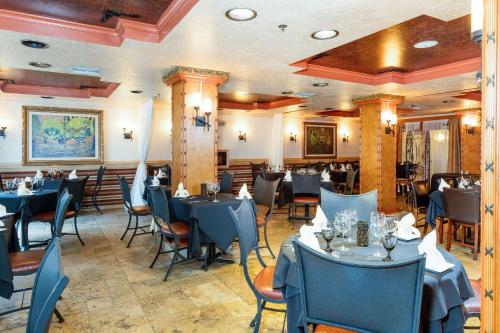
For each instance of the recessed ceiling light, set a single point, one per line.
(448, 101)
(287, 92)
(40, 64)
(47, 97)
(241, 14)
(320, 84)
(328, 109)
(35, 44)
(136, 91)
(302, 106)
(325, 34)
(426, 44)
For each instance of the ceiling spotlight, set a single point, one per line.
(325, 34)
(328, 109)
(426, 44)
(303, 106)
(136, 91)
(282, 27)
(241, 14)
(287, 92)
(40, 64)
(47, 97)
(35, 44)
(448, 101)
(320, 84)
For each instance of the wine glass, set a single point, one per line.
(390, 236)
(209, 188)
(10, 185)
(327, 233)
(353, 220)
(215, 188)
(377, 223)
(41, 181)
(344, 225)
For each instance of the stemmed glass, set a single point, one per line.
(390, 236)
(343, 224)
(215, 189)
(328, 234)
(40, 182)
(352, 215)
(377, 224)
(10, 185)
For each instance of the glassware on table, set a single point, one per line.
(343, 224)
(353, 220)
(10, 185)
(216, 189)
(390, 236)
(328, 234)
(377, 224)
(40, 182)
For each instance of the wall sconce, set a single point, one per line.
(127, 135)
(2, 131)
(470, 123)
(197, 100)
(242, 136)
(345, 134)
(391, 119)
(293, 137)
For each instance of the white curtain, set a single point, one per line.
(439, 151)
(276, 152)
(144, 120)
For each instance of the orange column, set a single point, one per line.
(194, 148)
(378, 149)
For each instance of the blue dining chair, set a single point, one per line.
(364, 204)
(379, 297)
(226, 182)
(49, 285)
(262, 286)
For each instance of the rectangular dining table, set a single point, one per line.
(443, 295)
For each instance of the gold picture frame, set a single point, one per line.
(78, 141)
(320, 140)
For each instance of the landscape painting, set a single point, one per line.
(61, 136)
(320, 140)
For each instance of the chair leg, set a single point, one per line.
(60, 318)
(267, 242)
(476, 241)
(128, 226)
(135, 230)
(306, 211)
(176, 254)
(425, 228)
(78, 233)
(284, 321)
(290, 212)
(441, 234)
(157, 253)
(94, 201)
(255, 323)
(449, 235)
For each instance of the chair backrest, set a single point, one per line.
(159, 205)
(264, 193)
(226, 182)
(98, 180)
(257, 168)
(306, 184)
(364, 204)
(375, 297)
(420, 191)
(63, 202)
(1, 183)
(127, 201)
(244, 221)
(48, 287)
(462, 204)
(75, 187)
(349, 180)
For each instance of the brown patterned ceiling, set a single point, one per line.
(90, 11)
(393, 47)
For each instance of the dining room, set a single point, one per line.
(235, 166)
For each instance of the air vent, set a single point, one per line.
(303, 94)
(392, 70)
(93, 71)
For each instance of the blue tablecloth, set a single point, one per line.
(286, 191)
(210, 221)
(443, 294)
(6, 278)
(435, 208)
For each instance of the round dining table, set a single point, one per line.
(443, 295)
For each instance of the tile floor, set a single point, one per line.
(111, 288)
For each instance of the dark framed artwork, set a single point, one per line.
(320, 140)
(62, 136)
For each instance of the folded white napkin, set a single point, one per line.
(28, 179)
(161, 174)
(3, 210)
(156, 181)
(406, 229)
(434, 259)
(478, 183)
(276, 168)
(181, 192)
(442, 185)
(461, 184)
(332, 167)
(325, 176)
(244, 192)
(22, 189)
(38, 175)
(310, 240)
(320, 219)
(348, 166)
(288, 176)
(73, 175)
(342, 167)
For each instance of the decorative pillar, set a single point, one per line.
(378, 148)
(194, 148)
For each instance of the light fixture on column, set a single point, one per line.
(391, 119)
(242, 136)
(470, 123)
(205, 104)
(476, 21)
(127, 135)
(3, 127)
(345, 134)
(293, 137)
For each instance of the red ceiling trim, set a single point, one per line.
(339, 113)
(460, 67)
(10, 88)
(288, 101)
(474, 95)
(153, 33)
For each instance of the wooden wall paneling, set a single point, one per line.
(178, 126)
(470, 150)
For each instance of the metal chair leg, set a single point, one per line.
(94, 201)
(157, 253)
(128, 226)
(59, 316)
(267, 242)
(176, 253)
(256, 320)
(77, 233)
(135, 230)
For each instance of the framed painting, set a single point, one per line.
(62, 136)
(320, 140)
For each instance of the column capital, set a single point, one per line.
(181, 73)
(378, 98)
